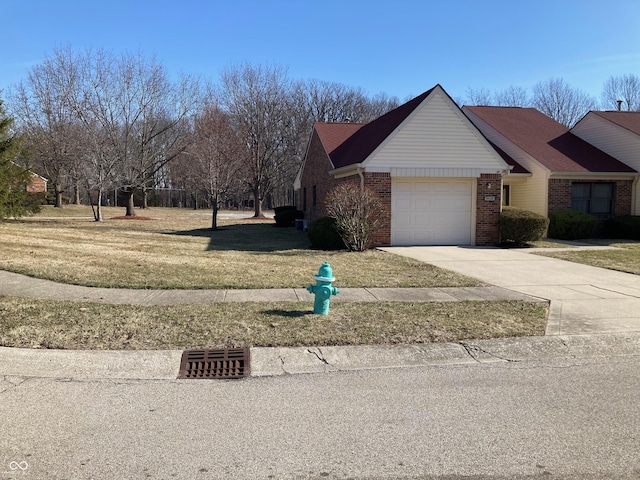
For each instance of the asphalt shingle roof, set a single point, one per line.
(356, 148)
(549, 142)
(628, 120)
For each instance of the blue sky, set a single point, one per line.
(400, 47)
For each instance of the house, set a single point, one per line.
(439, 180)
(37, 184)
(618, 134)
(555, 168)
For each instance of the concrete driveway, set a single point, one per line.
(584, 299)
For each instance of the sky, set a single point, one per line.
(398, 47)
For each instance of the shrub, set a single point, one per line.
(571, 225)
(287, 217)
(324, 235)
(626, 226)
(356, 212)
(521, 226)
(284, 208)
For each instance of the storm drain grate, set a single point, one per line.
(221, 363)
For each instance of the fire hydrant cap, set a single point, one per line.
(325, 274)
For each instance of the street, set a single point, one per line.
(564, 418)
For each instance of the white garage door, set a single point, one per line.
(431, 212)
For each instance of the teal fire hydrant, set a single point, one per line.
(323, 289)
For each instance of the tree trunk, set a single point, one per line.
(257, 204)
(214, 216)
(76, 194)
(145, 205)
(58, 191)
(97, 211)
(130, 206)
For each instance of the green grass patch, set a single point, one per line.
(33, 323)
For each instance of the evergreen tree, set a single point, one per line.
(13, 178)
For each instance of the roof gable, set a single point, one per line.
(365, 140)
(627, 120)
(547, 141)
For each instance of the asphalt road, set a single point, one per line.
(569, 419)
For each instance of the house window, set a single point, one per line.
(314, 197)
(304, 199)
(593, 198)
(506, 197)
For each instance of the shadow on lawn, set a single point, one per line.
(259, 237)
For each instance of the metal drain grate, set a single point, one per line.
(222, 363)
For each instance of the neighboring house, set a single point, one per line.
(437, 177)
(554, 168)
(618, 134)
(37, 184)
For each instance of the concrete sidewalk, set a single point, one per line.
(584, 299)
(21, 285)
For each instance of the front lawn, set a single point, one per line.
(625, 258)
(175, 250)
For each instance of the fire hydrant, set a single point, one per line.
(323, 289)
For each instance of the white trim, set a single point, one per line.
(438, 172)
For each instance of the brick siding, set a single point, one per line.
(37, 184)
(560, 195)
(315, 173)
(488, 208)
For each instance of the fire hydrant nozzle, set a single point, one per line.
(323, 289)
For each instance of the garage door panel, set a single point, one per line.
(403, 203)
(402, 187)
(428, 212)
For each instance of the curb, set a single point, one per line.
(164, 364)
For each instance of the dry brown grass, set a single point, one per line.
(625, 258)
(33, 323)
(176, 250)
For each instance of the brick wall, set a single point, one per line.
(315, 173)
(560, 195)
(37, 184)
(488, 207)
(380, 185)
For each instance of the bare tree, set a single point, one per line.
(480, 96)
(42, 105)
(625, 88)
(147, 120)
(512, 97)
(335, 102)
(558, 100)
(215, 155)
(258, 102)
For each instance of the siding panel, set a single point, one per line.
(436, 138)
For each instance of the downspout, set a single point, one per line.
(634, 195)
(360, 170)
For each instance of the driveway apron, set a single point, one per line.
(584, 299)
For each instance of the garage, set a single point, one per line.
(430, 211)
